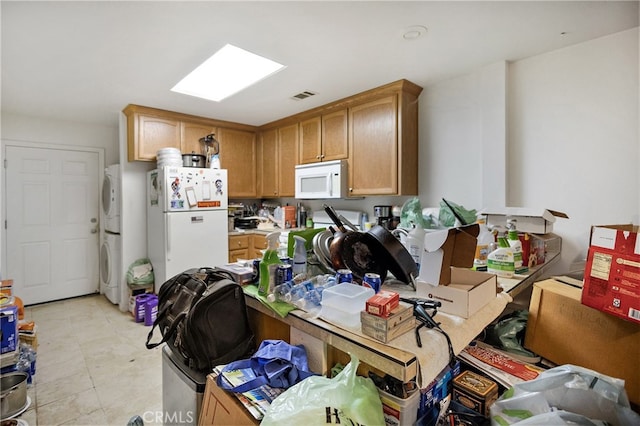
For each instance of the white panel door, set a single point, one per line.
(53, 209)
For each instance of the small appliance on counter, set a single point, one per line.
(322, 220)
(383, 215)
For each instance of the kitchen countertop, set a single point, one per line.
(261, 231)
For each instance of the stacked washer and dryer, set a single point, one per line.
(110, 252)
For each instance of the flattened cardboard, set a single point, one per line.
(564, 331)
(449, 247)
(467, 293)
(535, 221)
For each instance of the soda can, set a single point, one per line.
(344, 276)
(286, 260)
(255, 277)
(372, 280)
(284, 273)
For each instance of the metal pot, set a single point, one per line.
(396, 257)
(13, 396)
(193, 160)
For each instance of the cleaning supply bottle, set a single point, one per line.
(500, 261)
(414, 242)
(515, 244)
(268, 265)
(299, 255)
(485, 237)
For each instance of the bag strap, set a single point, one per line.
(244, 387)
(166, 334)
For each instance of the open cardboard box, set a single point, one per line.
(535, 221)
(467, 292)
(445, 273)
(449, 247)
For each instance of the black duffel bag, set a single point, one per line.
(202, 316)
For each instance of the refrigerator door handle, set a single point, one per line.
(168, 222)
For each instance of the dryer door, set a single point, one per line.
(108, 196)
(105, 265)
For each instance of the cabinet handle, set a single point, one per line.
(318, 157)
(350, 189)
(321, 156)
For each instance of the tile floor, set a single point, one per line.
(92, 366)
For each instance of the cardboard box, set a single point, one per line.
(612, 271)
(535, 221)
(564, 331)
(449, 247)
(385, 336)
(384, 329)
(467, 292)
(382, 303)
(436, 391)
(8, 329)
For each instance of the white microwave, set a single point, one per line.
(327, 179)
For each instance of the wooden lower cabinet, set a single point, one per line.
(239, 247)
(246, 246)
(220, 407)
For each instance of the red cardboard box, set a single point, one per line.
(382, 303)
(612, 272)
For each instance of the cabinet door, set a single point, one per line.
(259, 243)
(191, 133)
(238, 156)
(287, 160)
(310, 141)
(268, 163)
(154, 133)
(335, 143)
(222, 408)
(373, 138)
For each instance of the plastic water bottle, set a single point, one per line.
(281, 292)
(299, 290)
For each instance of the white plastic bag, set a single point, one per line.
(347, 399)
(570, 388)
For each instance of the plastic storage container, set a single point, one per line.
(398, 411)
(342, 303)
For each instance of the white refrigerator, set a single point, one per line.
(187, 223)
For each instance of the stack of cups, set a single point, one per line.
(169, 157)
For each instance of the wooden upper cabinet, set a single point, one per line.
(335, 143)
(148, 133)
(238, 156)
(267, 163)
(287, 159)
(324, 138)
(310, 145)
(190, 135)
(373, 137)
(277, 159)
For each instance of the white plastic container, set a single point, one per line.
(342, 303)
(398, 411)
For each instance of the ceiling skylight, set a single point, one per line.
(227, 72)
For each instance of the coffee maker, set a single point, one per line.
(383, 215)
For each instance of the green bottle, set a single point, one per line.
(268, 265)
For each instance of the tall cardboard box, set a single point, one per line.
(612, 272)
(563, 330)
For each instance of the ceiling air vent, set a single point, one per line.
(302, 95)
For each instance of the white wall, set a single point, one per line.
(573, 139)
